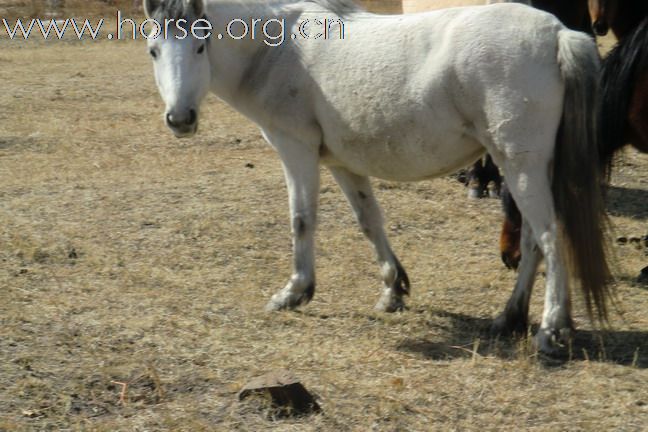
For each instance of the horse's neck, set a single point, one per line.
(238, 64)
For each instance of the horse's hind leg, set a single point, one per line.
(358, 192)
(515, 318)
(532, 192)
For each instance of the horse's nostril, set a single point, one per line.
(600, 28)
(192, 116)
(169, 119)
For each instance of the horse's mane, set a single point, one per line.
(172, 9)
(620, 70)
(338, 7)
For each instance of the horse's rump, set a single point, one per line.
(441, 88)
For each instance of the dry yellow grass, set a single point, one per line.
(42, 8)
(127, 256)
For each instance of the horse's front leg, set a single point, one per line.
(301, 168)
(358, 192)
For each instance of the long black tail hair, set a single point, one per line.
(577, 193)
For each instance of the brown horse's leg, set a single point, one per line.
(492, 174)
(480, 175)
(638, 122)
(474, 180)
(511, 228)
(638, 115)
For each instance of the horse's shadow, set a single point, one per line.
(627, 202)
(467, 337)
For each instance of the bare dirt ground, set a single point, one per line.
(127, 256)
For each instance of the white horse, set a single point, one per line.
(409, 97)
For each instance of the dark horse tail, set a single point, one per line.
(619, 73)
(577, 175)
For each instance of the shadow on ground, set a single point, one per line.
(627, 202)
(467, 336)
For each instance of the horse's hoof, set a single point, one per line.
(288, 300)
(553, 342)
(511, 260)
(279, 304)
(275, 305)
(504, 326)
(390, 303)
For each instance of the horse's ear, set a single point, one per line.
(198, 7)
(150, 6)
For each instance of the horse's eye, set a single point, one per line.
(201, 49)
(153, 53)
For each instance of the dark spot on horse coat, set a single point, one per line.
(299, 226)
(362, 195)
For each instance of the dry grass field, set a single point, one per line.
(127, 256)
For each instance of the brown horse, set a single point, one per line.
(623, 100)
(621, 16)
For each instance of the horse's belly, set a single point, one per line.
(402, 158)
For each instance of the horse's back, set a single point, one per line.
(407, 89)
(431, 53)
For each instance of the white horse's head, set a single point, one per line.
(180, 60)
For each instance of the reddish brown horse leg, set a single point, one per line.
(480, 175)
(638, 115)
(511, 228)
(510, 244)
(638, 122)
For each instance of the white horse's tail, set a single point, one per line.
(577, 175)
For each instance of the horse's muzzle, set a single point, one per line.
(183, 124)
